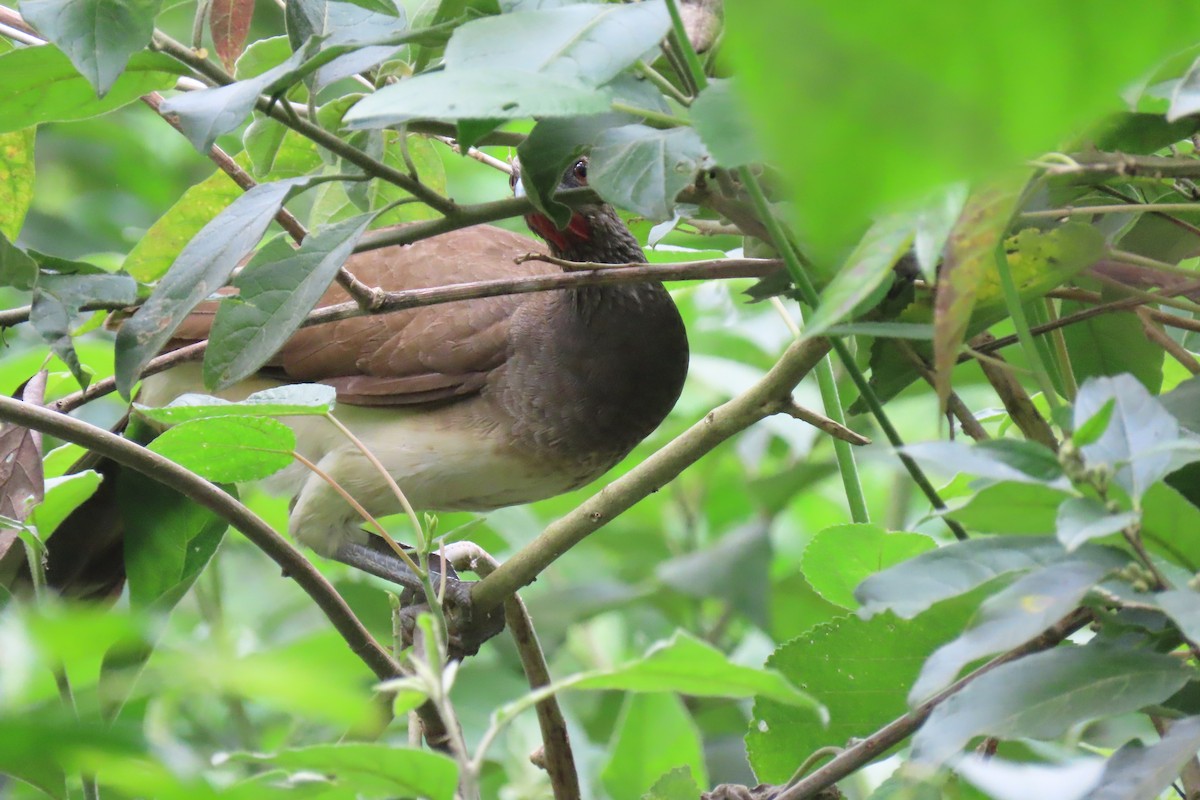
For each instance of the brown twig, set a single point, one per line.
(1016, 400)
(1173, 348)
(416, 298)
(821, 422)
(954, 404)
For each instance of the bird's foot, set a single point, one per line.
(468, 627)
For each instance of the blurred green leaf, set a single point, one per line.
(998, 459)
(16, 180)
(735, 568)
(1136, 771)
(63, 495)
(17, 269)
(39, 84)
(959, 109)
(837, 559)
(655, 734)
(168, 540)
(722, 123)
(229, 449)
(375, 770)
(687, 665)
(1042, 695)
(678, 784)
(866, 269)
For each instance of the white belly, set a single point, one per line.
(452, 458)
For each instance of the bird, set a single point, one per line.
(471, 405)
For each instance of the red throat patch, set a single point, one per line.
(577, 230)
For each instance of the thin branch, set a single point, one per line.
(966, 420)
(200, 491)
(1103, 166)
(1128, 208)
(652, 474)
(866, 750)
(1016, 400)
(417, 298)
(820, 422)
(1173, 348)
(558, 761)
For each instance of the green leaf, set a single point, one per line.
(1183, 402)
(678, 784)
(57, 300)
(549, 149)
(1183, 607)
(62, 496)
(1081, 519)
(1042, 695)
(345, 34)
(654, 734)
(1011, 617)
(98, 36)
(17, 269)
(476, 94)
(863, 273)
(997, 459)
(1091, 430)
(293, 399)
(1008, 780)
(374, 770)
(16, 180)
(206, 114)
(837, 559)
(587, 43)
(277, 289)
(861, 669)
(1011, 507)
(1165, 513)
(1133, 132)
(168, 540)
(229, 449)
(1110, 344)
(686, 665)
(642, 168)
(158, 248)
(314, 677)
(721, 122)
(202, 268)
(959, 110)
(39, 84)
(970, 254)
(1131, 444)
(1135, 771)
(735, 568)
(909, 588)
(39, 748)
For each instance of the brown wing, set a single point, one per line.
(416, 356)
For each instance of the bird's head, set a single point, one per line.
(594, 232)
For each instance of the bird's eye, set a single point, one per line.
(580, 170)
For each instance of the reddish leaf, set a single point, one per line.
(229, 23)
(21, 479)
(970, 257)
